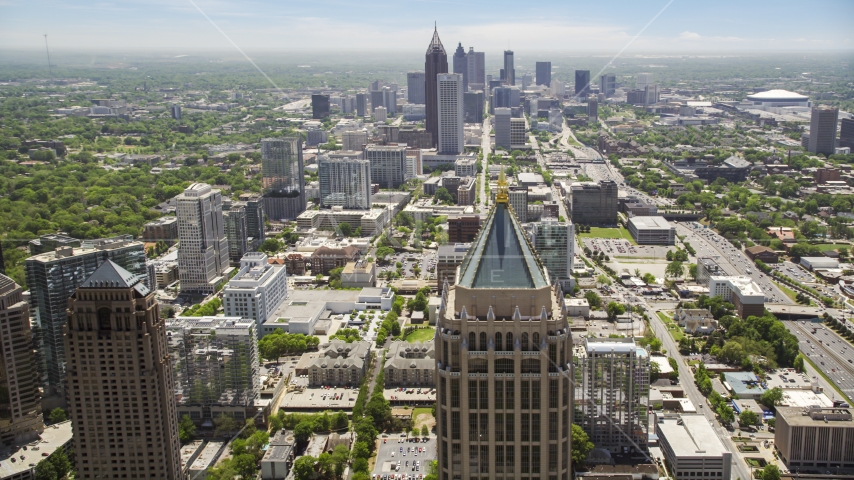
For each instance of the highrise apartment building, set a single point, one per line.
(555, 245)
(52, 278)
(461, 66)
(582, 83)
(282, 177)
(120, 391)
(345, 182)
(256, 290)
(593, 203)
(509, 68)
(236, 232)
(452, 138)
(823, 130)
(544, 73)
(254, 218)
(415, 82)
(436, 62)
(476, 64)
(20, 405)
(612, 393)
(216, 369)
(203, 246)
(503, 361)
(608, 84)
(388, 164)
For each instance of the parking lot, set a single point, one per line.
(410, 396)
(426, 261)
(403, 458)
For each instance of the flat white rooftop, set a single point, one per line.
(693, 438)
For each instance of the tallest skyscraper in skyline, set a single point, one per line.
(436, 62)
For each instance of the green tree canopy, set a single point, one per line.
(581, 446)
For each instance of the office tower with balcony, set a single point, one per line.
(461, 66)
(282, 177)
(215, 367)
(236, 232)
(509, 68)
(415, 82)
(388, 164)
(823, 130)
(256, 290)
(451, 119)
(582, 83)
(345, 182)
(608, 84)
(319, 106)
(544, 73)
(52, 278)
(476, 64)
(503, 361)
(203, 246)
(20, 405)
(436, 63)
(120, 391)
(612, 393)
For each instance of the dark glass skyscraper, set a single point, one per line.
(509, 69)
(282, 177)
(461, 65)
(544, 73)
(582, 83)
(436, 63)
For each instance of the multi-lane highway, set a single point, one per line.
(830, 353)
(709, 244)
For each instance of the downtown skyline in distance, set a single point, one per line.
(673, 26)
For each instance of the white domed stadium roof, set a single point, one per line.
(780, 95)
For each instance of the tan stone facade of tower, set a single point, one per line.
(119, 382)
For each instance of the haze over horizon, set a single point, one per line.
(261, 26)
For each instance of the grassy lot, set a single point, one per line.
(790, 293)
(421, 335)
(423, 416)
(599, 232)
(674, 329)
(826, 247)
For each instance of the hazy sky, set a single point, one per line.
(403, 25)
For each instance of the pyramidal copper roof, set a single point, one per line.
(435, 44)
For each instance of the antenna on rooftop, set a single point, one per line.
(49, 68)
